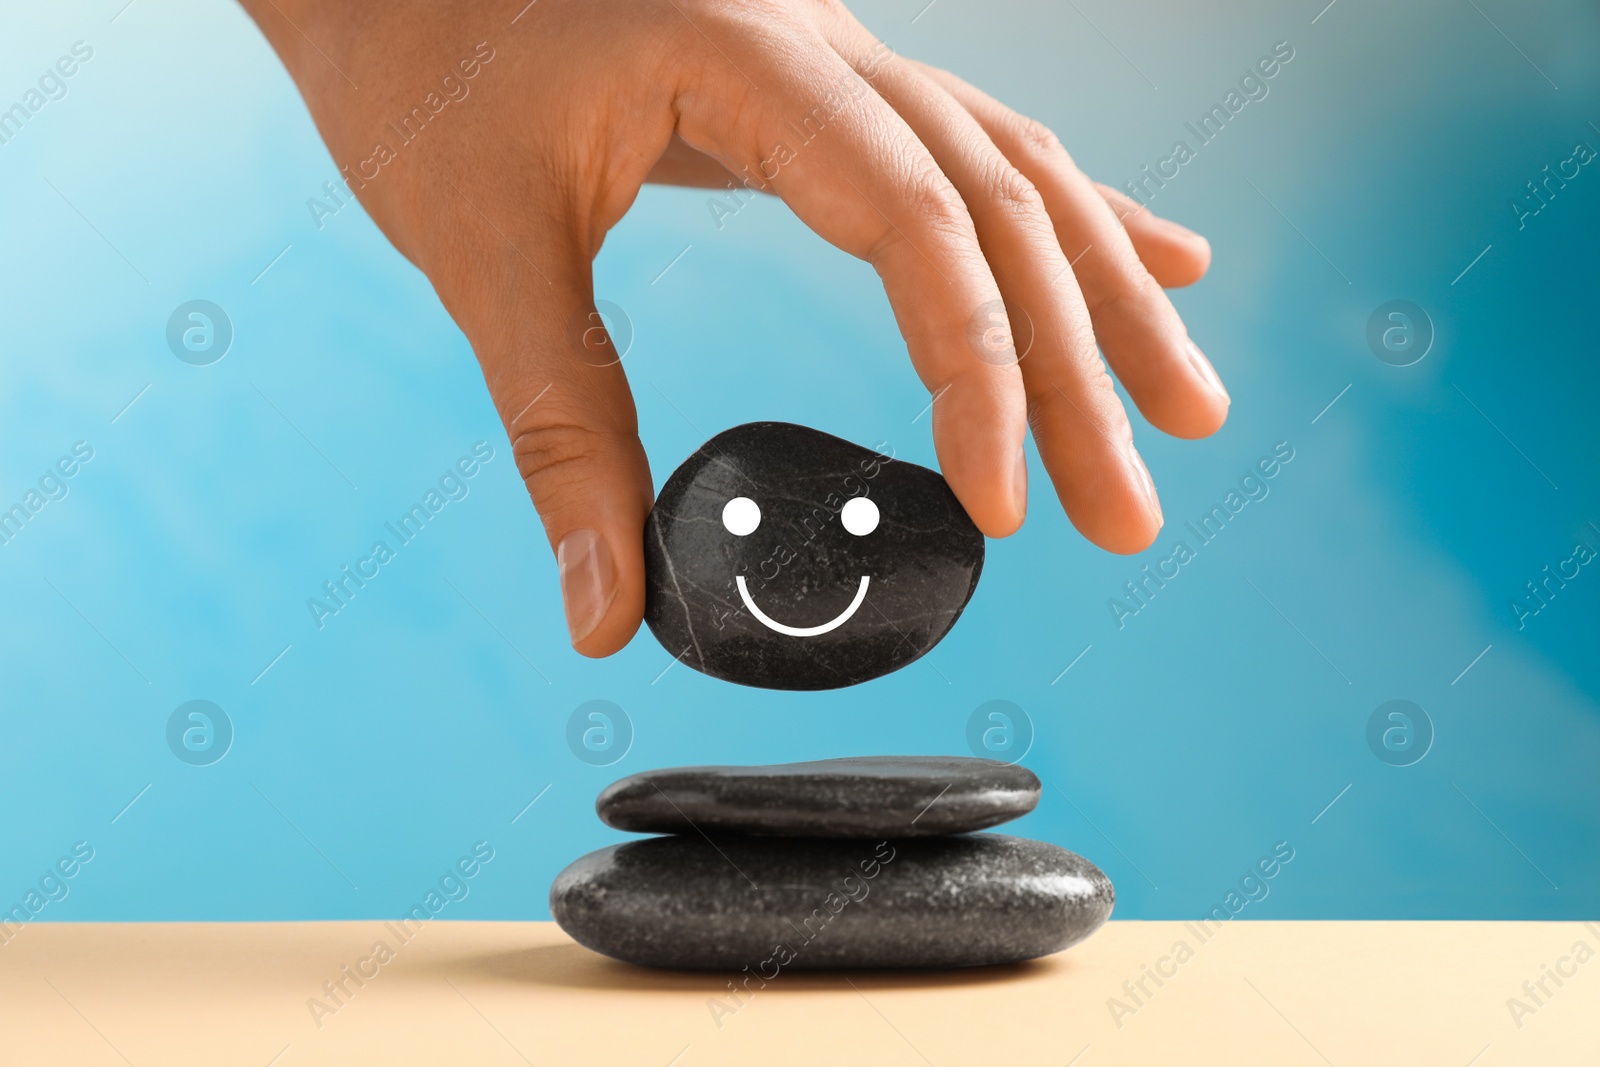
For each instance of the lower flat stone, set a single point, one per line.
(775, 904)
(864, 796)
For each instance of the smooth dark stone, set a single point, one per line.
(776, 904)
(863, 796)
(803, 568)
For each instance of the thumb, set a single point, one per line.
(555, 374)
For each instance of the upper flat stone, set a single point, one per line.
(864, 796)
(783, 557)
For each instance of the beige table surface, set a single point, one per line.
(1280, 993)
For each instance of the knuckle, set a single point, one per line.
(935, 205)
(1083, 353)
(1014, 193)
(1101, 389)
(937, 201)
(1128, 287)
(553, 454)
(1035, 137)
(1088, 400)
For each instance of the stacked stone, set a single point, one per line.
(866, 862)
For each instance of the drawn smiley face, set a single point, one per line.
(858, 515)
(783, 557)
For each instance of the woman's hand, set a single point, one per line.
(501, 182)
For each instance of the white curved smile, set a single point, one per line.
(802, 631)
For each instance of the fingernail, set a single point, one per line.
(1141, 474)
(588, 581)
(1019, 482)
(1207, 372)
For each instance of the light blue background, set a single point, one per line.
(423, 718)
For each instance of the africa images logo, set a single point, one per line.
(339, 592)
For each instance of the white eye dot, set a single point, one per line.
(860, 516)
(741, 516)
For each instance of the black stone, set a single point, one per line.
(802, 568)
(864, 796)
(776, 904)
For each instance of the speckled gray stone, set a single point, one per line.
(863, 796)
(838, 564)
(774, 904)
